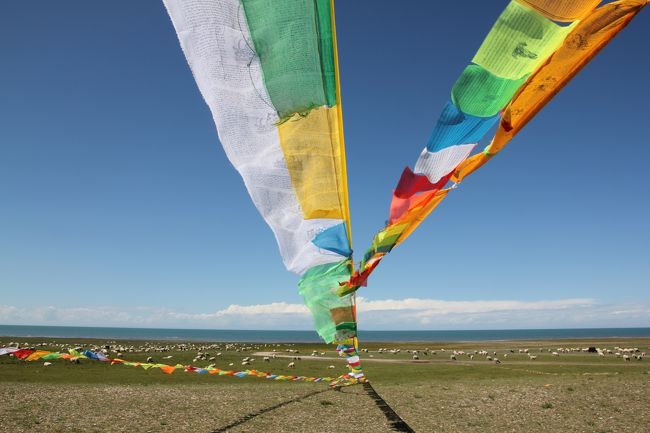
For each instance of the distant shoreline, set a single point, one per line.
(285, 336)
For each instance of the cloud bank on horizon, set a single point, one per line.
(405, 314)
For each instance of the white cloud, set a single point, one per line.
(273, 308)
(408, 313)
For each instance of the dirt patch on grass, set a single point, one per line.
(183, 408)
(587, 404)
(604, 404)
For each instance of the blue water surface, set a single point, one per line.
(266, 336)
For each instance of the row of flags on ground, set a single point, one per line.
(72, 355)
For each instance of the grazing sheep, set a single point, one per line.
(532, 357)
(149, 359)
(331, 367)
(292, 365)
(47, 364)
(245, 363)
(416, 357)
(555, 354)
(626, 357)
(496, 361)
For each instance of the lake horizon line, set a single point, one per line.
(309, 336)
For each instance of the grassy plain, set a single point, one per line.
(571, 392)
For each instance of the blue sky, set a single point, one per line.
(119, 207)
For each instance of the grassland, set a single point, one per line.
(574, 391)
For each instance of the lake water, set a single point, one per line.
(265, 336)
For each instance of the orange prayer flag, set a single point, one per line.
(471, 164)
(562, 10)
(580, 46)
(415, 216)
(167, 369)
(37, 355)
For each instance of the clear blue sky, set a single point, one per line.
(115, 192)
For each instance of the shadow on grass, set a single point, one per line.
(396, 423)
(255, 414)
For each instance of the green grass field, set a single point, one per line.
(571, 392)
